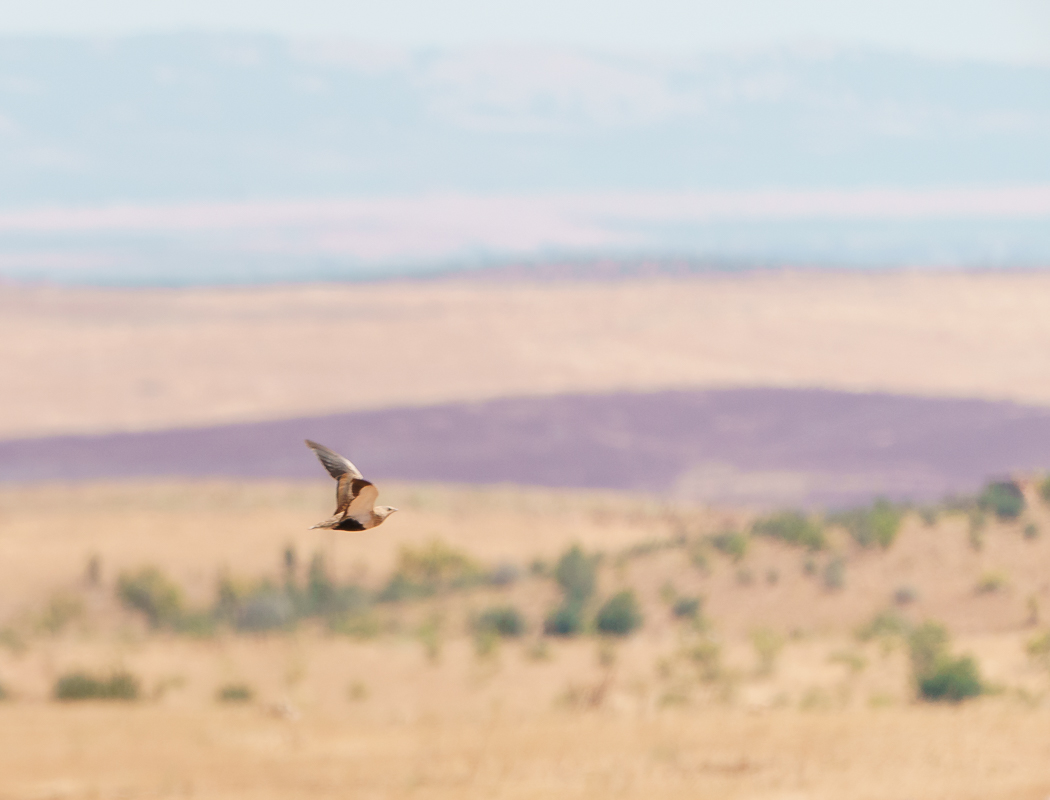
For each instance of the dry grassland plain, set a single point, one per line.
(775, 696)
(416, 708)
(79, 360)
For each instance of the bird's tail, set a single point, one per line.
(328, 523)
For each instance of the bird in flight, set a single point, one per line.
(355, 497)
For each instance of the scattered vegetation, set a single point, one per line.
(876, 525)
(85, 686)
(1002, 498)
(791, 527)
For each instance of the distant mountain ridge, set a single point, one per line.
(765, 447)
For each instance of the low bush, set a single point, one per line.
(991, 582)
(1002, 498)
(576, 574)
(1031, 531)
(151, 592)
(439, 565)
(686, 608)
(938, 676)
(927, 645)
(621, 614)
(505, 575)
(1044, 489)
(904, 595)
(1038, 648)
(732, 543)
(885, 624)
(84, 686)
(235, 693)
(566, 620)
(793, 528)
(62, 609)
(504, 621)
(876, 525)
(951, 680)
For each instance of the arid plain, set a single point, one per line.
(783, 684)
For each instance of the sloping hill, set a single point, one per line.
(741, 446)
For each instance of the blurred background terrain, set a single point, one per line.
(702, 349)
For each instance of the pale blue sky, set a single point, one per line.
(1010, 30)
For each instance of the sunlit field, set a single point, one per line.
(757, 666)
(86, 360)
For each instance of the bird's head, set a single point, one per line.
(384, 511)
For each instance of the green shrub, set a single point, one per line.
(1031, 531)
(793, 528)
(503, 620)
(1002, 498)
(235, 693)
(566, 620)
(875, 525)
(84, 686)
(938, 676)
(621, 614)
(154, 594)
(732, 543)
(576, 574)
(951, 680)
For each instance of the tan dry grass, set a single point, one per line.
(337, 717)
(982, 753)
(104, 359)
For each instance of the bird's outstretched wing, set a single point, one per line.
(336, 465)
(353, 495)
